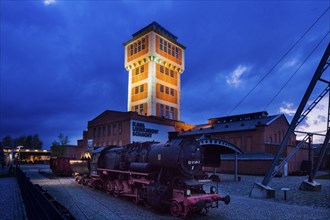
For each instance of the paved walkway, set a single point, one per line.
(11, 203)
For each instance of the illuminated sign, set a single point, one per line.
(144, 131)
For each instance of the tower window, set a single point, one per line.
(135, 48)
(139, 46)
(167, 90)
(172, 92)
(137, 71)
(142, 69)
(141, 88)
(143, 43)
(161, 69)
(172, 113)
(172, 73)
(136, 90)
(165, 46)
(167, 112)
(131, 50)
(161, 110)
(161, 88)
(161, 44)
(166, 71)
(136, 108)
(141, 109)
(177, 52)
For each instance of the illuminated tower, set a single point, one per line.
(155, 61)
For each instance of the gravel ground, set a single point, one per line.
(85, 203)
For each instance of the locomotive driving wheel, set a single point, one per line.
(175, 208)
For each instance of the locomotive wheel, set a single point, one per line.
(175, 208)
(116, 193)
(147, 204)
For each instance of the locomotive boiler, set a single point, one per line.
(158, 175)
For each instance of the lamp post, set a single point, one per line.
(19, 154)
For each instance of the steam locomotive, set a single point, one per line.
(158, 175)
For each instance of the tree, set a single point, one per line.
(7, 141)
(57, 148)
(36, 142)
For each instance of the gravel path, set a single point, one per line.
(85, 203)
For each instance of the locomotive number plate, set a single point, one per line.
(192, 162)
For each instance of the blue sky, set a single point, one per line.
(62, 62)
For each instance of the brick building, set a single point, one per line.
(257, 134)
(121, 128)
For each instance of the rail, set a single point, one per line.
(38, 203)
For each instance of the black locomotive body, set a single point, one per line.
(159, 175)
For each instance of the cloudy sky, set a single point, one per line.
(62, 62)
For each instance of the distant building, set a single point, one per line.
(155, 61)
(73, 151)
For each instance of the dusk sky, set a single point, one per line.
(62, 62)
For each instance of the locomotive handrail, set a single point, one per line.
(124, 171)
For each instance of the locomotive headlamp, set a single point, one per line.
(188, 192)
(213, 189)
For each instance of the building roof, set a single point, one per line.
(234, 123)
(154, 26)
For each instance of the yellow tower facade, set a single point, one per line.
(155, 62)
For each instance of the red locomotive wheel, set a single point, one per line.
(175, 208)
(147, 204)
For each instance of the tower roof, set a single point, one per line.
(154, 26)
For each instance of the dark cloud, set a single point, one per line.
(63, 64)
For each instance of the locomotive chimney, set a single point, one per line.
(172, 135)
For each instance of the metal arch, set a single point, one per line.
(219, 142)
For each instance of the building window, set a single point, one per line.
(137, 71)
(161, 110)
(172, 73)
(139, 46)
(142, 69)
(120, 128)
(104, 131)
(136, 108)
(166, 71)
(131, 50)
(136, 90)
(167, 112)
(114, 128)
(167, 90)
(172, 113)
(94, 132)
(161, 88)
(169, 48)
(161, 69)
(172, 92)
(109, 130)
(99, 132)
(135, 48)
(161, 42)
(141, 88)
(141, 109)
(143, 43)
(165, 46)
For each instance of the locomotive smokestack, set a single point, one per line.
(172, 135)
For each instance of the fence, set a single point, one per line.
(38, 203)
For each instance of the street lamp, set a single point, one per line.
(19, 154)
